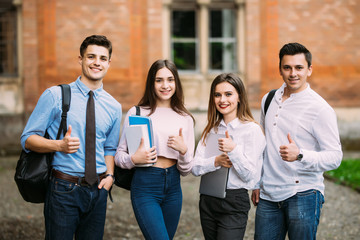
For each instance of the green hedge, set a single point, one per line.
(348, 173)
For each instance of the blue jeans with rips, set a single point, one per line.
(156, 198)
(298, 216)
(71, 209)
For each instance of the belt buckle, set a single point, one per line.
(82, 182)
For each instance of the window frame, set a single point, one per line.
(202, 9)
(10, 16)
(186, 40)
(11, 87)
(223, 40)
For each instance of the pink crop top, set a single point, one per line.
(166, 122)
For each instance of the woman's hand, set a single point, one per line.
(177, 143)
(144, 156)
(226, 144)
(223, 161)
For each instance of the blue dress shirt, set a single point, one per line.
(47, 116)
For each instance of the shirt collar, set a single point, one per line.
(85, 90)
(305, 91)
(233, 124)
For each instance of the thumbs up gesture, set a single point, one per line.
(69, 144)
(226, 144)
(290, 151)
(177, 143)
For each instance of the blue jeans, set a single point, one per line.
(71, 209)
(156, 198)
(298, 215)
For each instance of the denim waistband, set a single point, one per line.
(168, 170)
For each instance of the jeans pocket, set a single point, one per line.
(62, 186)
(104, 189)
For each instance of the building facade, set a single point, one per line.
(40, 39)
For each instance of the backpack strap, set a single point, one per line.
(66, 99)
(268, 100)
(137, 110)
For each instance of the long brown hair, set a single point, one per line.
(149, 98)
(243, 111)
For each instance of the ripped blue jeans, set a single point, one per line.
(298, 216)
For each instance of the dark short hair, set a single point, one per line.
(293, 49)
(98, 40)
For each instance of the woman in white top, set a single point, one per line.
(243, 145)
(156, 194)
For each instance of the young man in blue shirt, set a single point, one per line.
(73, 205)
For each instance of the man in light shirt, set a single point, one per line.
(302, 142)
(75, 205)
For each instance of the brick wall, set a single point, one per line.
(329, 29)
(54, 30)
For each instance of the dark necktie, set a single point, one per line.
(90, 160)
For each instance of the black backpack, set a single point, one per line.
(268, 100)
(33, 169)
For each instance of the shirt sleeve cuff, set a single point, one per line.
(210, 165)
(235, 152)
(109, 152)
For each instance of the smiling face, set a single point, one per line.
(226, 101)
(294, 70)
(164, 87)
(94, 63)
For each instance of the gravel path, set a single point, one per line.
(340, 218)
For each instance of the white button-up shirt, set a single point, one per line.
(312, 124)
(246, 157)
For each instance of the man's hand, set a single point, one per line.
(289, 152)
(255, 196)
(69, 144)
(106, 183)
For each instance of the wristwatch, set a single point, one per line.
(111, 176)
(300, 156)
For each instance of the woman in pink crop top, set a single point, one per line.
(156, 194)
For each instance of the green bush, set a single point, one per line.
(348, 173)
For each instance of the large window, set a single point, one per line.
(8, 40)
(11, 98)
(204, 35)
(222, 40)
(184, 40)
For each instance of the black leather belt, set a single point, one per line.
(77, 180)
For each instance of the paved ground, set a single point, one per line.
(340, 217)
